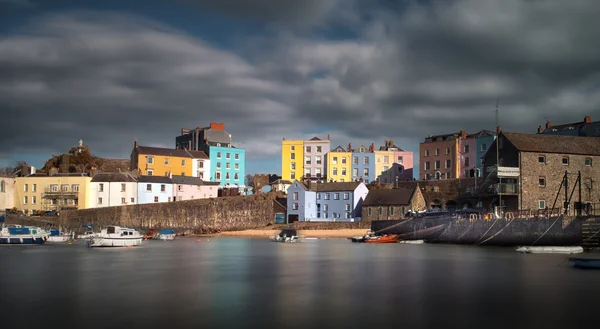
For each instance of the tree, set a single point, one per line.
(9, 170)
(249, 180)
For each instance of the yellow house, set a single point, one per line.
(339, 165)
(384, 161)
(292, 163)
(41, 192)
(157, 161)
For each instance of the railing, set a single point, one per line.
(505, 188)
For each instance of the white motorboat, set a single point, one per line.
(550, 250)
(286, 236)
(17, 234)
(116, 236)
(166, 235)
(412, 241)
(58, 237)
(87, 235)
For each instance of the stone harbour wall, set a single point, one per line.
(193, 216)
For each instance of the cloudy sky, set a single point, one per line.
(111, 72)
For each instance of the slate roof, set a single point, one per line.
(338, 149)
(389, 197)
(60, 175)
(566, 126)
(171, 152)
(281, 181)
(482, 133)
(113, 177)
(554, 143)
(155, 179)
(333, 187)
(315, 139)
(113, 165)
(187, 180)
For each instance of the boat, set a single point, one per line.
(412, 241)
(87, 235)
(116, 236)
(550, 250)
(17, 234)
(166, 235)
(56, 236)
(582, 262)
(286, 235)
(363, 238)
(388, 238)
(150, 235)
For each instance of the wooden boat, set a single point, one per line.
(582, 262)
(550, 250)
(116, 236)
(392, 238)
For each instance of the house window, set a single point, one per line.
(123, 201)
(391, 211)
(25, 188)
(292, 148)
(318, 196)
(149, 172)
(308, 149)
(483, 147)
(326, 196)
(99, 200)
(295, 206)
(588, 162)
(467, 174)
(565, 160)
(148, 187)
(448, 163)
(227, 165)
(236, 176)
(355, 172)
(542, 204)
(343, 171)
(343, 160)
(34, 186)
(334, 160)
(426, 153)
(292, 156)
(75, 187)
(179, 187)
(132, 200)
(437, 151)
(355, 160)
(155, 199)
(307, 159)
(64, 187)
(237, 166)
(293, 175)
(366, 172)
(200, 164)
(325, 208)
(366, 160)
(334, 172)
(2, 187)
(163, 188)
(400, 159)
(447, 150)
(348, 207)
(467, 148)
(437, 164)
(295, 196)
(427, 165)
(217, 175)
(319, 149)
(149, 160)
(228, 156)
(25, 200)
(227, 177)
(542, 181)
(542, 159)
(100, 187)
(218, 155)
(467, 161)
(179, 198)
(54, 188)
(123, 187)
(336, 196)
(386, 159)
(318, 159)
(369, 211)
(380, 211)
(33, 199)
(53, 202)
(218, 165)
(346, 195)
(236, 156)
(307, 172)
(166, 161)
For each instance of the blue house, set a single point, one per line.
(363, 164)
(483, 141)
(300, 203)
(154, 189)
(340, 202)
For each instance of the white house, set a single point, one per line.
(190, 188)
(201, 168)
(113, 189)
(153, 189)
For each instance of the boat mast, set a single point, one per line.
(498, 161)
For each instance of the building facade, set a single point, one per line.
(292, 159)
(228, 165)
(532, 168)
(339, 165)
(315, 158)
(392, 204)
(585, 128)
(363, 164)
(438, 156)
(154, 189)
(483, 141)
(157, 161)
(42, 192)
(339, 202)
(393, 164)
(7, 192)
(113, 189)
(300, 203)
(192, 188)
(467, 156)
(197, 138)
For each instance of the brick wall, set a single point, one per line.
(553, 171)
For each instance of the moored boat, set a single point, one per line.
(56, 236)
(87, 235)
(391, 238)
(583, 262)
(150, 235)
(166, 235)
(116, 236)
(550, 250)
(17, 234)
(412, 241)
(286, 235)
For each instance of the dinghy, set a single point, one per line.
(550, 250)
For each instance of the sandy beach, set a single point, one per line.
(343, 233)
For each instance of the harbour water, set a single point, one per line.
(254, 283)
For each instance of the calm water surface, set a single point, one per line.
(254, 283)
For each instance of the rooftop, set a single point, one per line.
(149, 150)
(389, 197)
(113, 177)
(155, 179)
(554, 144)
(332, 187)
(187, 180)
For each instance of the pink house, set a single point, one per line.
(191, 188)
(404, 159)
(467, 155)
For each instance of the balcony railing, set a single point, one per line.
(506, 189)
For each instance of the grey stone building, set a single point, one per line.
(389, 204)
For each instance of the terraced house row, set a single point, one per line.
(315, 160)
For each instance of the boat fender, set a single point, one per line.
(198, 240)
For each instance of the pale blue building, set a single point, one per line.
(154, 189)
(301, 203)
(363, 165)
(483, 141)
(340, 202)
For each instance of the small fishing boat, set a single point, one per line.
(391, 238)
(57, 237)
(87, 235)
(286, 235)
(17, 234)
(363, 238)
(166, 235)
(150, 235)
(582, 262)
(550, 250)
(116, 236)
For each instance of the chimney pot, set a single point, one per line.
(587, 119)
(328, 137)
(548, 124)
(135, 144)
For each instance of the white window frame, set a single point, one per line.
(149, 160)
(149, 172)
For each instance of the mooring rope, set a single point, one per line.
(593, 235)
(541, 236)
(467, 230)
(488, 239)
(389, 227)
(486, 232)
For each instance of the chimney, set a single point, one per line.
(328, 137)
(548, 124)
(217, 126)
(587, 119)
(349, 147)
(498, 130)
(372, 148)
(135, 144)
(463, 134)
(540, 129)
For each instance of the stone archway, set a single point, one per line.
(435, 203)
(451, 205)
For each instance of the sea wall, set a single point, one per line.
(192, 216)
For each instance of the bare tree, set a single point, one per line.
(249, 180)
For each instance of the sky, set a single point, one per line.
(111, 72)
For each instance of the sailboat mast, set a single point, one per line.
(498, 160)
